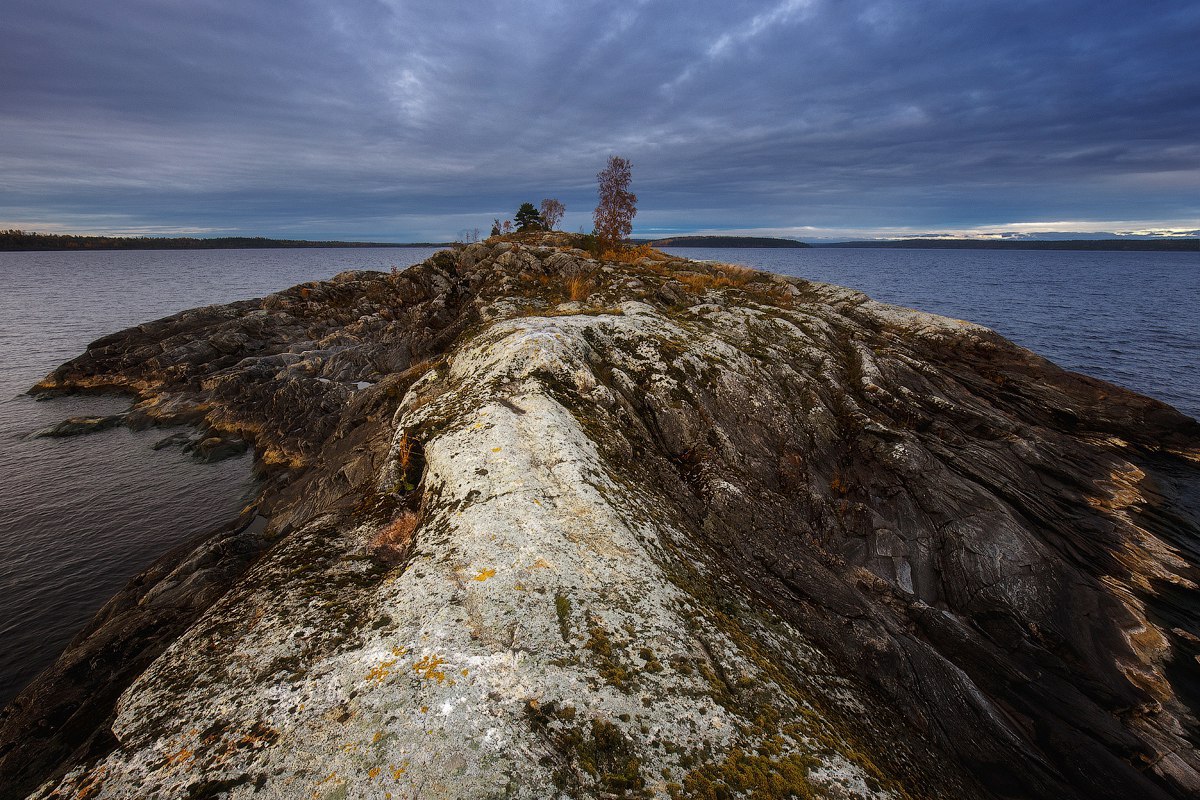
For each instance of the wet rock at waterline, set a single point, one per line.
(78, 426)
(537, 525)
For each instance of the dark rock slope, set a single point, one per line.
(537, 525)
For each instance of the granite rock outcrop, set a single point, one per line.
(535, 524)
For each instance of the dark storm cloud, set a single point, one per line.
(416, 119)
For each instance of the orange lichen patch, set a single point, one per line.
(1121, 490)
(399, 651)
(89, 785)
(465, 672)
(427, 668)
(181, 755)
(378, 735)
(260, 735)
(484, 574)
(397, 772)
(1190, 455)
(333, 776)
(392, 541)
(381, 671)
(541, 563)
(373, 773)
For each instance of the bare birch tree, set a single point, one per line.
(552, 213)
(614, 214)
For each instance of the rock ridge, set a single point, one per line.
(536, 524)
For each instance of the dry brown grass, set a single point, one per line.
(391, 543)
(579, 287)
(404, 451)
(631, 255)
(720, 276)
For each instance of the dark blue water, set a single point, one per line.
(79, 517)
(1129, 318)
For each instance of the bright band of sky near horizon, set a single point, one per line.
(416, 120)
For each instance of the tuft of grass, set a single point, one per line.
(579, 288)
(721, 276)
(632, 255)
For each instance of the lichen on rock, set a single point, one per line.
(705, 532)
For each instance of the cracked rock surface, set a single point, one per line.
(539, 525)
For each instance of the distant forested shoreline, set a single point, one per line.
(23, 240)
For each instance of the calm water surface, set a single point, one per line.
(80, 516)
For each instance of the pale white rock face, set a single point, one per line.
(541, 642)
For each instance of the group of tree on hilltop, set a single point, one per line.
(529, 218)
(613, 217)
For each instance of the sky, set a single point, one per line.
(416, 120)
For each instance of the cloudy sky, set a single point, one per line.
(405, 120)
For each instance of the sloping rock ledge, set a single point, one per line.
(536, 525)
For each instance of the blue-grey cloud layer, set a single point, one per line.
(415, 119)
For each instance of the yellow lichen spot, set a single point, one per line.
(397, 772)
(520, 587)
(424, 709)
(349, 747)
(381, 671)
(541, 563)
(465, 672)
(497, 449)
(373, 773)
(427, 668)
(378, 735)
(484, 574)
(399, 651)
(537, 502)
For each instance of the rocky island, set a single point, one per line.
(534, 524)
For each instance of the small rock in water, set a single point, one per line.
(174, 440)
(216, 448)
(76, 426)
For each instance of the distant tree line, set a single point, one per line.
(24, 240)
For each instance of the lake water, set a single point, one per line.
(80, 516)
